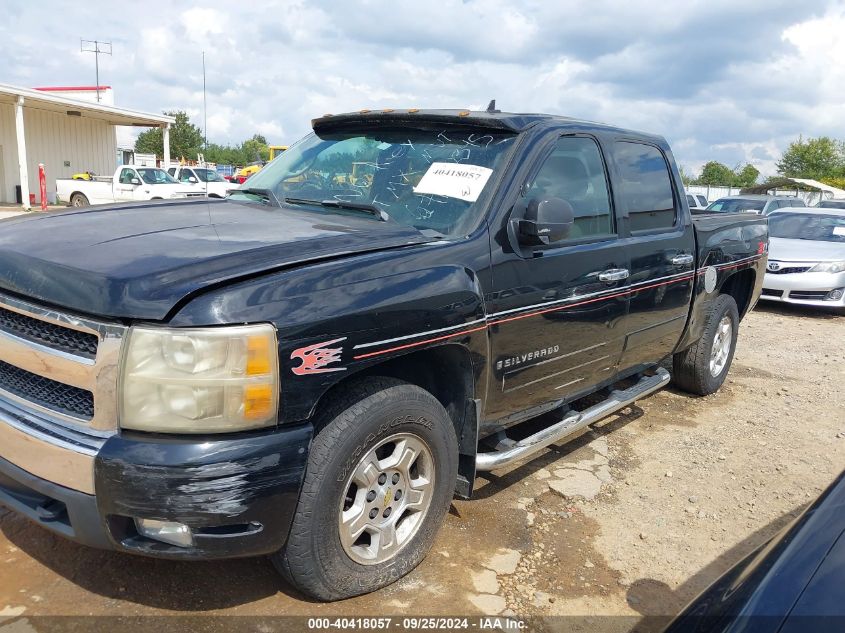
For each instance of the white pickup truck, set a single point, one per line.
(207, 181)
(128, 183)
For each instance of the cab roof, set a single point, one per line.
(483, 119)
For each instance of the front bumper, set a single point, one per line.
(804, 288)
(237, 493)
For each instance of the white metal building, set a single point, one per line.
(67, 135)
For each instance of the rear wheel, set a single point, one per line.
(379, 481)
(703, 367)
(79, 200)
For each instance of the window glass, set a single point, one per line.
(384, 167)
(126, 176)
(185, 175)
(646, 187)
(575, 173)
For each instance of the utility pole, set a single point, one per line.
(93, 46)
(204, 107)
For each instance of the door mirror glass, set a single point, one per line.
(546, 220)
(192, 179)
(135, 181)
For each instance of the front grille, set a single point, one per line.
(48, 334)
(771, 293)
(817, 295)
(789, 270)
(47, 393)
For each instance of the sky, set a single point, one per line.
(728, 80)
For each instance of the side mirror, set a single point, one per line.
(135, 181)
(545, 221)
(192, 179)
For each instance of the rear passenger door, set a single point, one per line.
(660, 244)
(555, 310)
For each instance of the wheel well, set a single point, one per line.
(445, 372)
(740, 286)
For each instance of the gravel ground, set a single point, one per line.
(632, 518)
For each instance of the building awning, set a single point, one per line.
(74, 107)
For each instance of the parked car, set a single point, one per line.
(696, 202)
(128, 183)
(207, 181)
(806, 257)
(791, 584)
(753, 203)
(314, 366)
(831, 204)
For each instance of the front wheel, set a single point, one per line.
(702, 368)
(378, 483)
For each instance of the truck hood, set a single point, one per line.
(139, 260)
(783, 249)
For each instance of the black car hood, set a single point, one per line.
(139, 260)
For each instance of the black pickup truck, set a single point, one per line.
(314, 366)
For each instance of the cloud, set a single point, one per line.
(721, 80)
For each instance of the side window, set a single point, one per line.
(172, 171)
(646, 187)
(691, 201)
(185, 175)
(126, 176)
(575, 173)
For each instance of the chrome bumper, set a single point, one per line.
(47, 450)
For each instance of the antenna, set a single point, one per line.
(93, 46)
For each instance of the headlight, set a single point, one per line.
(828, 267)
(199, 380)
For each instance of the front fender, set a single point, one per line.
(341, 317)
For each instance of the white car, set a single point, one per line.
(208, 181)
(806, 257)
(128, 183)
(696, 201)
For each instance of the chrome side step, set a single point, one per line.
(574, 421)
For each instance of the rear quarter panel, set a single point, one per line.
(727, 245)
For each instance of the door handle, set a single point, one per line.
(614, 274)
(682, 260)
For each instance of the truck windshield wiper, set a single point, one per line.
(264, 194)
(344, 204)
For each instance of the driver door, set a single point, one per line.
(556, 310)
(124, 190)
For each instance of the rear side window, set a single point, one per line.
(646, 187)
(575, 172)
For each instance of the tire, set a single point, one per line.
(79, 200)
(693, 369)
(371, 414)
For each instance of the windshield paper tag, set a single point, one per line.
(454, 180)
(839, 230)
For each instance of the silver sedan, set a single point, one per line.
(806, 257)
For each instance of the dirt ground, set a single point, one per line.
(632, 518)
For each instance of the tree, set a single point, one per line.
(185, 138)
(816, 158)
(715, 173)
(747, 176)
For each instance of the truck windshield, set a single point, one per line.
(736, 205)
(426, 178)
(807, 226)
(208, 175)
(156, 176)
